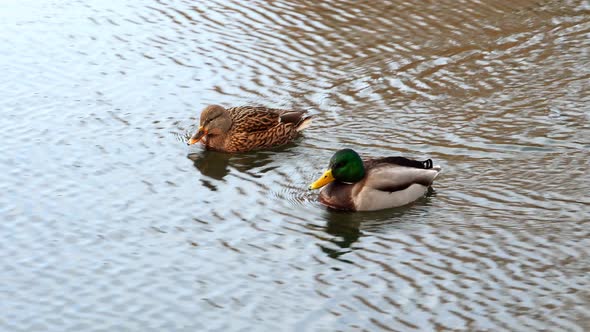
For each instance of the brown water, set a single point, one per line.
(107, 225)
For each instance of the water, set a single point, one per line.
(110, 222)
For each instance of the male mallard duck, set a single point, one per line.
(245, 128)
(373, 184)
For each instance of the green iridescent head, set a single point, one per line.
(345, 166)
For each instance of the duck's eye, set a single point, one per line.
(211, 119)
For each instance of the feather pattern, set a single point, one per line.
(388, 182)
(253, 127)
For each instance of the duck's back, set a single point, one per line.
(261, 127)
(252, 118)
(394, 181)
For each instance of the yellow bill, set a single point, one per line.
(197, 136)
(323, 180)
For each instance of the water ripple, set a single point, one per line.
(112, 223)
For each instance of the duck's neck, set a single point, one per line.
(225, 122)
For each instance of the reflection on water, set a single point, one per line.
(216, 165)
(212, 164)
(107, 225)
(344, 228)
(347, 227)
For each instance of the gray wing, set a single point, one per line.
(391, 178)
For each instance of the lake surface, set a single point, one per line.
(111, 223)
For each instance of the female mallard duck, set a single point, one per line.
(373, 184)
(245, 128)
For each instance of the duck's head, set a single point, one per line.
(345, 166)
(215, 120)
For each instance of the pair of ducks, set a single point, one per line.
(350, 183)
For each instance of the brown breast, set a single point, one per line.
(338, 195)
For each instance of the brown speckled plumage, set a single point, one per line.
(245, 128)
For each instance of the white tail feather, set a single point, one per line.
(304, 124)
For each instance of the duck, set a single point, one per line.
(354, 184)
(246, 128)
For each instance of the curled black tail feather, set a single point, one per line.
(427, 163)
